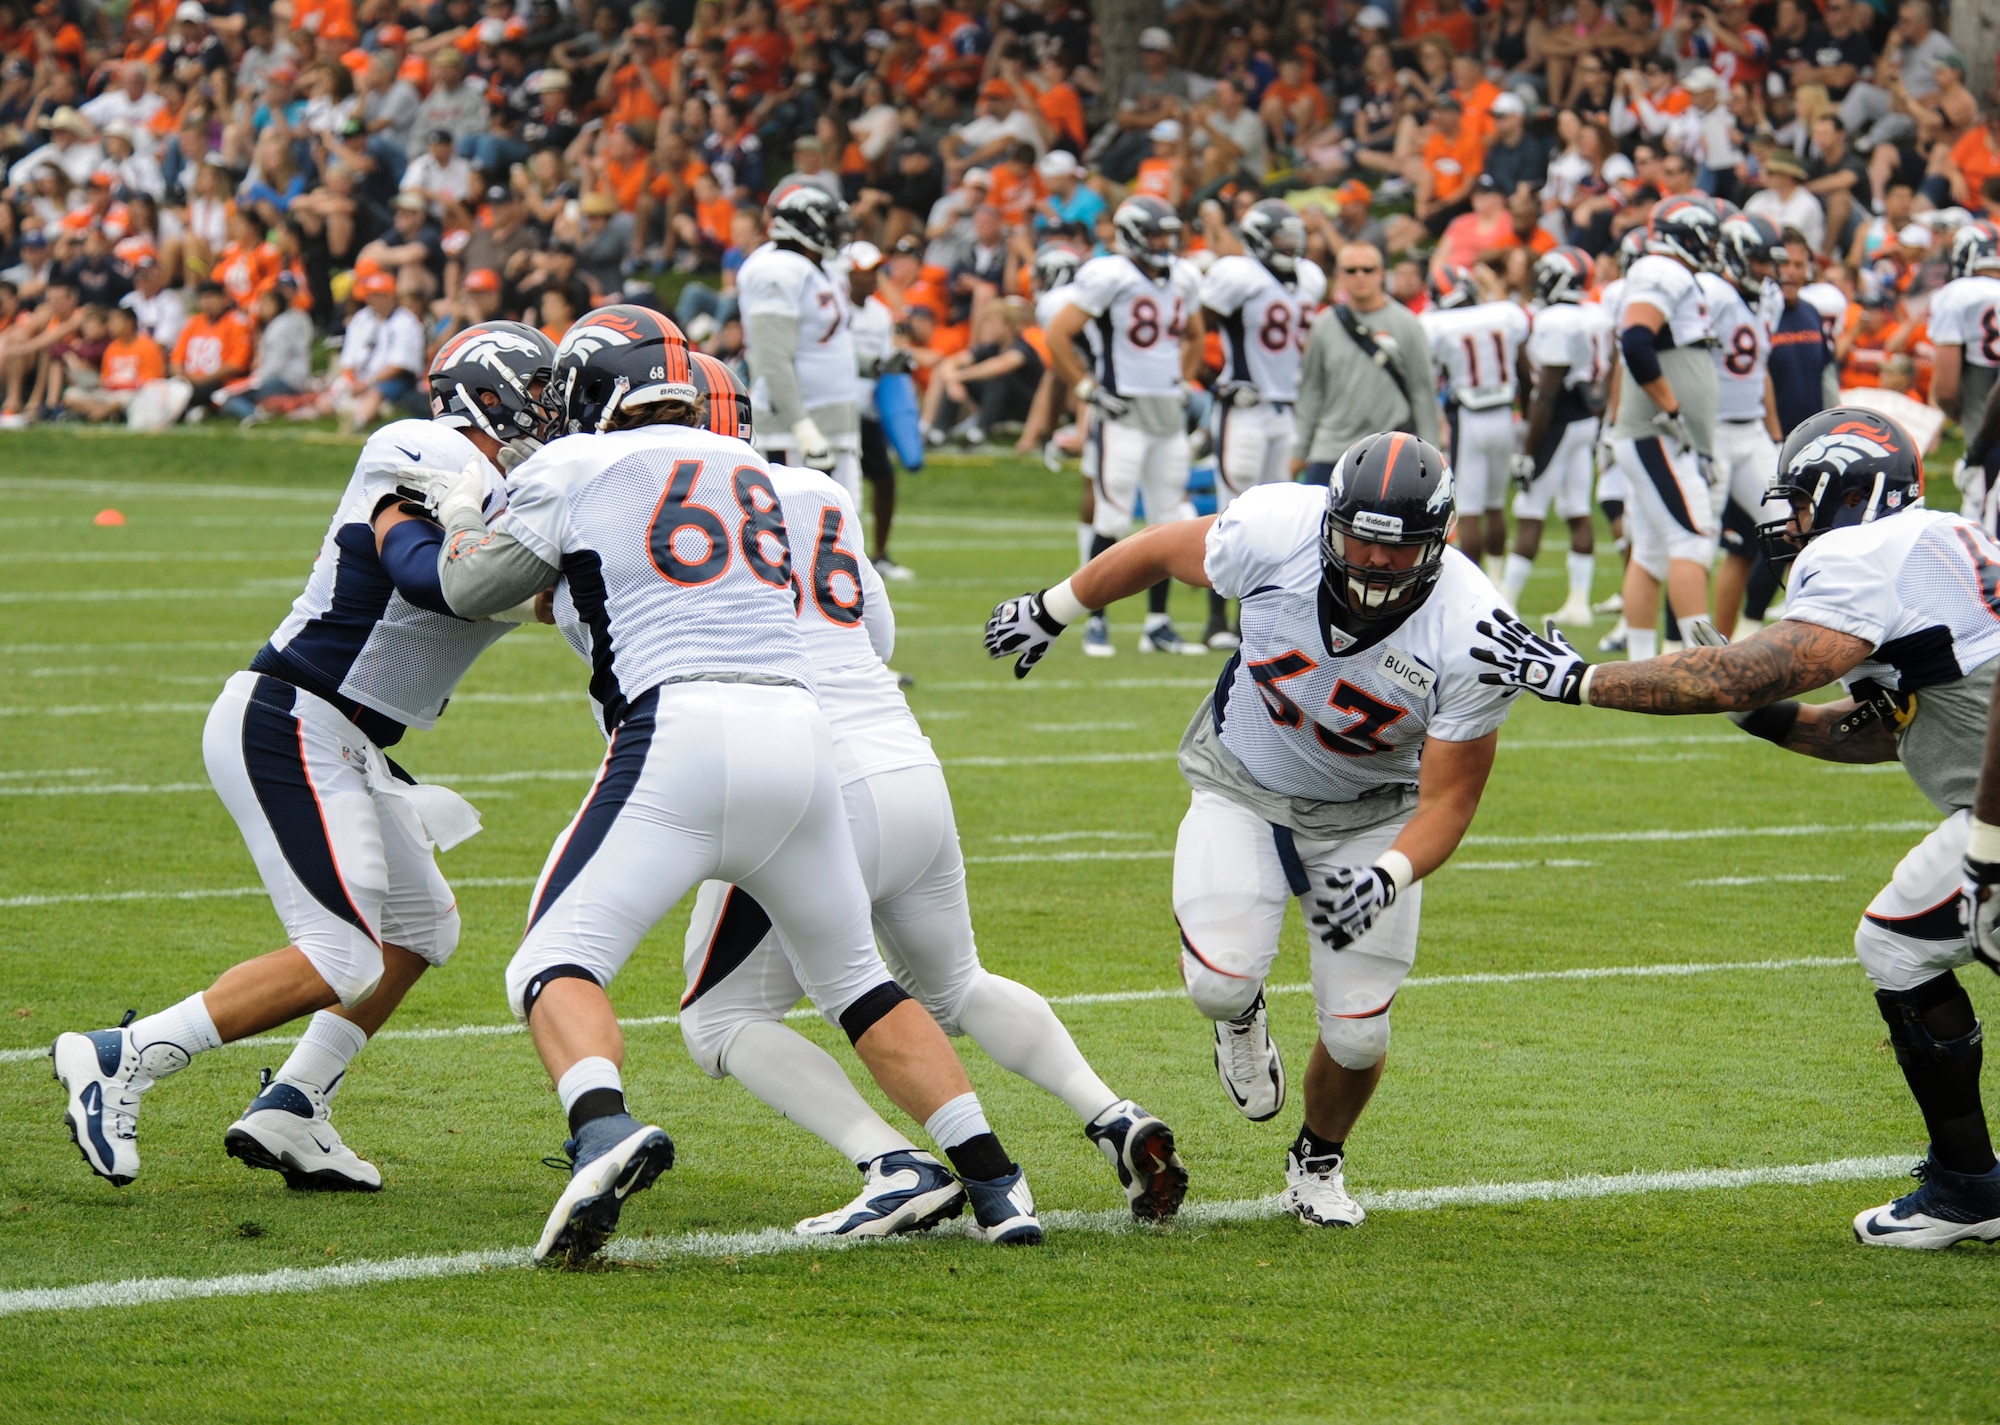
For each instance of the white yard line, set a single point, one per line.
(237, 645)
(146, 490)
(153, 1291)
(1421, 982)
(103, 709)
(1706, 833)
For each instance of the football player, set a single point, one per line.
(1747, 431)
(1477, 344)
(1663, 424)
(1566, 349)
(1613, 494)
(1054, 270)
(344, 839)
(799, 339)
(740, 981)
(1145, 302)
(1896, 603)
(1339, 761)
(720, 764)
(1262, 302)
(1965, 327)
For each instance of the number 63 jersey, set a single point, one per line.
(1311, 712)
(674, 554)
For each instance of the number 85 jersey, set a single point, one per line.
(674, 556)
(1264, 322)
(1309, 710)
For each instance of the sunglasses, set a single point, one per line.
(1358, 271)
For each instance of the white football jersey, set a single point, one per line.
(849, 630)
(1922, 587)
(775, 281)
(1831, 304)
(1742, 351)
(1264, 321)
(350, 631)
(872, 327)
(1050, 305)
(1670, 288)
(1967, 312)
(1479, 348)
(1576, 336)
(675, 557)
(1139, 322)
(1611, 297)
(1306, 718)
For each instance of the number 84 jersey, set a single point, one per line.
(674, 555)
(1139, 322)
(1309, 710)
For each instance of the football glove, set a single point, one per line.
(1024, 626)
(1979, 911)
(427, 482)
(464, 498)
(1522, 468)
(1543, 663)
(1673, 427)
(815, 452)
(1356, 896)
(1239, 393)
(1089, 393)
(1700, 633)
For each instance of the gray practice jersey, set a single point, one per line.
(1683, 340)
(1923, 588)
(1307, 726)
(351, 634)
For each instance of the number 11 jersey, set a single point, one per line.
(1313, 712)
(674, 555)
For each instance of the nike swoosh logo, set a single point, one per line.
(1810, 575)
(319, 1145)
(1890, 1229)
(414, 458)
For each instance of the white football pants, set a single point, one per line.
(341, 850)
(1482, 448)
(1254, 447)
(1128, 461)
(1746, 462)
(1668, 515)
(1564, 481)
(1910, 933)
(1234, 873)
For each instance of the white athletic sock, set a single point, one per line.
(185, 1026)
(1494, 566)
(956, 1121)
(807, 1085)
(1515, 579)
(1016, 1026)
(1641, 643)
(585, 1075)
(1086, 537)
(1581, 567)
(1154, 621)
(319, 1061)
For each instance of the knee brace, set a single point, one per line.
(1931, 1024)
(871, 1009)
(1216, 993)
(525, 983)
(1355, 1043)
(351, 969)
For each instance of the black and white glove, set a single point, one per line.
(1238, 393)
(896, 363)
(1979, 896)
(1030, 625)
(1522, 467)
(1356, 896)
(815, 451)
(1089, 393)
(1673, 426)
(1542, 663)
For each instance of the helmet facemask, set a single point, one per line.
(1371, 593)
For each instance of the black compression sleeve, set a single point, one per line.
(410, 559)
(1641, 357)
(1773, 723)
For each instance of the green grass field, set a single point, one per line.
(1639, 1255)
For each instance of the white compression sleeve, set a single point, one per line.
(1016, 1026)
(805, 1084)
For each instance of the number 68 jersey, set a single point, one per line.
(674, 555)
(1310, 711)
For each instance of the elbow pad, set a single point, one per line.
(1773, 722)
(410, 559)
(1641, 354)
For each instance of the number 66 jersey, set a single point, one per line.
(674, 555)
(1308, 713)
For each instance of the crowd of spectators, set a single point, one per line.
(245, 180)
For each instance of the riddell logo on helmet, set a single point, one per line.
(1371, 524)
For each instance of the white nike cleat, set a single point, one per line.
(1141, 1148)
(1316, 1192)
(286, 1130)
(1097, 637)
(609, 1160)
(105, 1075)
(1574, 616)
(1615, 604)
(904, 1191)
(1248, 1063)
(1946, 1209)
(1005, 1210)
(1165, 638)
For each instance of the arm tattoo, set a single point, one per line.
(1788, 658)
(1813, 735)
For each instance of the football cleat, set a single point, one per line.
(1316, 1192)
(104, 1074)
(1141, 1148)
(1005, 1210)
(1614, 641)
(1097, 637)
(1225, 640)
(889, 569)
(1574, 616)
(904, 1191)
(1946, 1208)
(609, 1160)
(1615, 604)
(285, 1129)
(1248, 1063)
(1165, 638)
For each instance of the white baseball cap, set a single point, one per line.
(1701, 80)
(1153, 37)
(1167, 131)
(1058, 163)
(979, 176)
(1618, 168)
(1507, 103)
(1372, 17)
(1915, 235)
(862, 256)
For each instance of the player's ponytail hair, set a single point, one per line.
(669, 411)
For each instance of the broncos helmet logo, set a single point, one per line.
(1441, 494)
(1844, 447)
(488, 348)
(586, 339)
